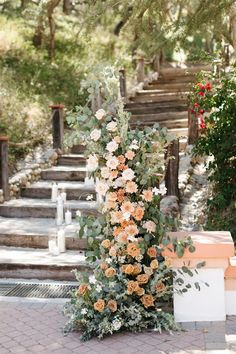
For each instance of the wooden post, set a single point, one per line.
(226, 55)
(57, 126)
(4, 169)
(140, 70)
(192, 127)
(96, 103)
(172, 169)
(156, 63)
(123, 90)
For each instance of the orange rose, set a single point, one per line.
(103, 266)
(147, 195)
(99, 305)
(82, 290)
(112, 196)
(137, 268)
(122, 167)
(113, 174)
(123, 237)
(117, 231)
(112, 304)
(133, 250)
(110, 272)
(152, 252)
(154, 264)
(138, 213)
(126, 223)
(147, 300)
(106, 243)
(160, 287)
(131, 187)
(142, 278)
(127, 207)
(132, 287)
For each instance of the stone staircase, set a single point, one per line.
(26, 223)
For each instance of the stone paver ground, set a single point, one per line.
(36, 327)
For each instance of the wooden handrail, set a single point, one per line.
(4, 168)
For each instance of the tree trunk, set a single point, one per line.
(40, 28)
(233, 26)
(51, 5)
(67, 6)
(172, 169)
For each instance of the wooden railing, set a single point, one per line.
(4, 168)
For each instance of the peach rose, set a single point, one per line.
(154, 264)
(142, 278)
(160, 287)
(133, 250)
(117, 231)
(121, 158)
(147, 300)
(112, 304)
(131, 187)
(168, 262)
(117, 139)
(127, 207)
(138, 213)
(132, 230)
(122, 167)
(112, 196)
(150, 226)
(152, 252)
(123, 237)
(128, 269)
(110, 272)
(103, 265)
(130, 155)
(106, 243)
(120, 195)
(112, 252)
(82, 289)
(132, 287)
(113, 174)
(109, 205)
(137, 268)
(99, 305)
(147, 195)
(140, 291)
(116, 217)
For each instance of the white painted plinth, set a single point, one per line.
(208, 304)
(230, 302)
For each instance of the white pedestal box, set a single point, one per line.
(208, 304)
(230, 302)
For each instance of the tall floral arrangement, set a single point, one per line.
(131, 279)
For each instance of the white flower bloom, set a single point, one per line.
(84, 311)
(116, 324)
(78, 213)
(112, 284)
(95, 134)
(126, 216)
(92, 163)
(98, 288)
(128, 174)
(112, 162)
(108, 260)
(105, 172)
(162, 190)
(112, 146)
(100, 114)
(155, 191)
(92, 279)
(139, 257)
(112, 126)
(119, 182)
(101, 187)
(134, 145)
(89, 197)
(131, 238)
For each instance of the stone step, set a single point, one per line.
(156, 107)
(178, 72)
(28, 263)
(34, 233)
(158, 117)
(189, 78)
(167, 87)
(78, 149)
(178, 132)
(74, 190)
(169, 124)
(43, 208)
(148, 97)
(64, 173)
(72, 160)
(163, 93)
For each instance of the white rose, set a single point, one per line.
(128, 174)
(112, 146)
(100, 114)
(92, 163)
(95, 134)
(105, 172)
(101, 187)
(112, 162)
(112, 126)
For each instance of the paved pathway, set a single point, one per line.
(36, 327)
